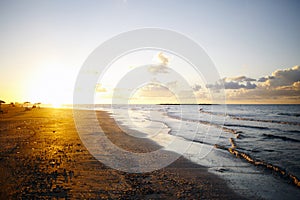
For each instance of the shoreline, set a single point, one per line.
(44, 157)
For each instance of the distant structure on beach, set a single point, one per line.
(1, 102)
(26, 105)
(37, 105)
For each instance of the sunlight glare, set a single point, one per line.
(56, 105)
(53, 84)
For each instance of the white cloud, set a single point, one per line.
(158, 69)
(283, 77)
(282, 86)
(154, 90)
(163, 59)
(197, 87)
(241, 82)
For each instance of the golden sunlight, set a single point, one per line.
(52, 84)
(56, 105)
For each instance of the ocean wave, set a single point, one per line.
(294, 131)
(260, 163)
(247, 126)
(290, 114)
(284, 138)
(198, 141)
(260, 128)
(267, 121)
(253, 119)
(237, 133)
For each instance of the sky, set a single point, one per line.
(254, 45)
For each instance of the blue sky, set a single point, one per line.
(252, 38)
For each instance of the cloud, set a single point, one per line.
(241, 79)
(162, 58)
(282, 86)
(217, 86)
(262, 79)
(261, 93)
(235, 83)
(197, 87)
(158, 69)
(172, 84)
(161, 66)
(99, 88)
(283, 77)
(153, 93)
(295, 87)
(154, 90)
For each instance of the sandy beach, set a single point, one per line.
(42, 157)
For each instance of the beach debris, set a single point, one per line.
(296, 181)
(71, 174)
(52, 163)
(233, 143)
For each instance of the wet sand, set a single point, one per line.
(43, 157)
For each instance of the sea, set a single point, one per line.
(255, 148)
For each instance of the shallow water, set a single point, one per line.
(267, 134)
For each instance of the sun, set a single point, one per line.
(53, 84)
(56, 105)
